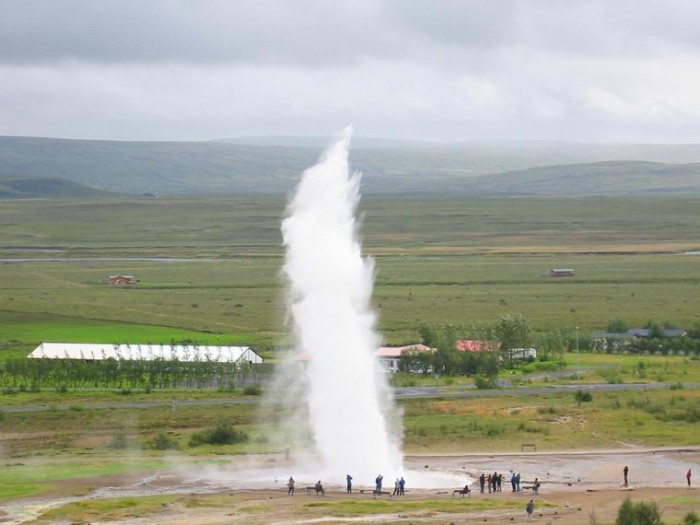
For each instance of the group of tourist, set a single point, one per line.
(399, 486)
(494, 483)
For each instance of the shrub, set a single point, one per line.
(691, 519)
(252, 390)
(484, 382)
(582, 397)
(222, 434)
(163, 441)
(638, 513)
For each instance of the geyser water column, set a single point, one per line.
(350, 406)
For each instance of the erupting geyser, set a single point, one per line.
(349, 407)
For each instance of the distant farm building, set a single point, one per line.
(475, 345)
(621, 341)
(522, 354)
(646, 333)
(390, 356)
(122, 279)
(183, 353)
(561, 272)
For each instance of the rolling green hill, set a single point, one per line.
(598, 178)
(45, 187)
(272, 165)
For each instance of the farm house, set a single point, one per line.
(390, 357)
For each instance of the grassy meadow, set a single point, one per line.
(437, 260)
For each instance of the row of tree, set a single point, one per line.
(112, 373)
(514, 331)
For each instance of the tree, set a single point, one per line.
(617, 326)
(513, 331)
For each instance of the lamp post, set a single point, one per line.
(578, 357)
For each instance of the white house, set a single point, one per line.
(390, 356)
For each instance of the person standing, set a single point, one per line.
(402, 486)
(625, 471)
(396, 487)
(530, 508)
(348, 483)
(687, 477)
(378, 483)
(290, 486)
(482, 482)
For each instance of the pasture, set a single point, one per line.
(208, 268)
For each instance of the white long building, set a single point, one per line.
(135, 352)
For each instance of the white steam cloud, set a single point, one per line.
(344, 407)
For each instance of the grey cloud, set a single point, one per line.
(211, 31)
(325, 33)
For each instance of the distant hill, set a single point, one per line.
(598, 178)
(45, 187)
(273, 165)
(320, 143)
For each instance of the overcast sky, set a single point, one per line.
(584, 70)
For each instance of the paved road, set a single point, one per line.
(464, 391)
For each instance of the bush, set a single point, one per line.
(222, 434)
(583, 397)
(163, 441)
(484, 382)
(638, 514)
(252, 390)
(691, 519)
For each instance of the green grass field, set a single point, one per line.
(436, 260)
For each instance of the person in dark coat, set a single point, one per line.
(530, 508)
